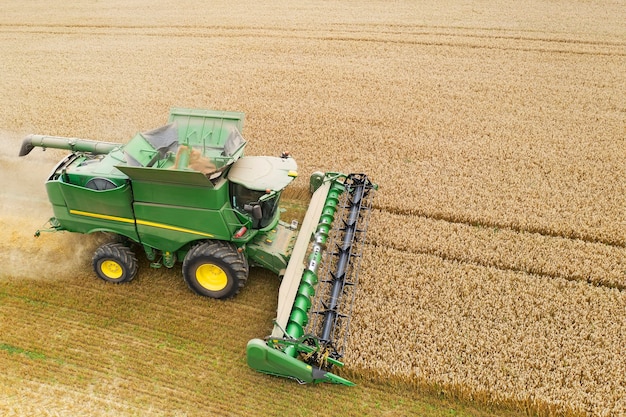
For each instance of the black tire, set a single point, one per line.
(115, 262)
(215, 269)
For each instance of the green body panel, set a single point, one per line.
(152, 183)
(169, 228)
(177, 188)
(141, 151)
(205, 128)
(116, 202)
(271, 249)
(78, 169)
(174, 208)
(84, 210)
(268, 360)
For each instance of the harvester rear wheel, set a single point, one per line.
(115, 262)
(215, 269)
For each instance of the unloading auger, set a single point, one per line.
(315, 300)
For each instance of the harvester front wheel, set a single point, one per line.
(215, 269)
(115, 262)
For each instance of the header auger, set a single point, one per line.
(186, 193)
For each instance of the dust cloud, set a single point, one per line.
(24, 208)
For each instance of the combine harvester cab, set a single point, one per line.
(186, 192)
(315, 297)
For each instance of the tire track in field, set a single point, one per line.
(530, 271)
(478, 32)
(588, 238)
(502, 248)
(412, 35)
(372, 28)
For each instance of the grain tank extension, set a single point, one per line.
(186, 193)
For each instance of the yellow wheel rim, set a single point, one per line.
(211, 277)
(112, 269)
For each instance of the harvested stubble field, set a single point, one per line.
(495, 274)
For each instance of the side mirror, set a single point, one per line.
(254, 210)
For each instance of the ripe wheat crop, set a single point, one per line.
(481, 330)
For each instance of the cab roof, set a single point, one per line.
(262, 173)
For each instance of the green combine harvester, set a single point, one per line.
(186, 192)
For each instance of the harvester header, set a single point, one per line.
(315, 298)
(185, 192)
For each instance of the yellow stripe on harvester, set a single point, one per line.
(141, 222)
(102, 216)
(168, 227)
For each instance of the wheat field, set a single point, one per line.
(495, 269)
